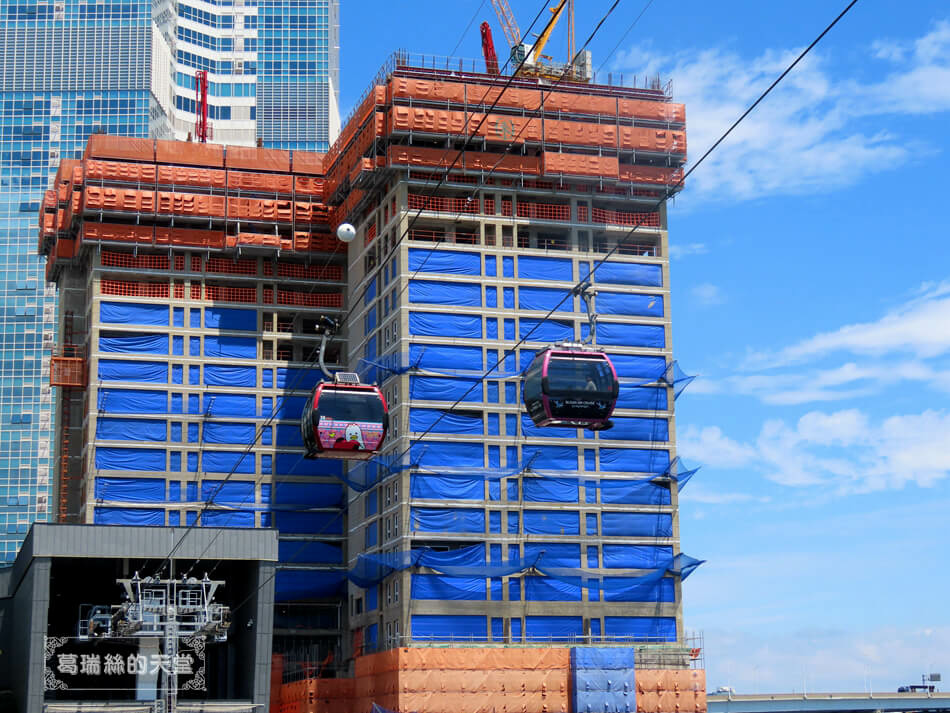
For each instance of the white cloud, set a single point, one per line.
(805, 137)
(841, 451)
(680, 251)
(708, 294)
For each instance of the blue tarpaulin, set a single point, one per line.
(554, 457)
(433, 356)
(555, 554)
(129, 516)
(637, 429)
(296, 464)
(555, 490)
(547, 331)
(438, 586)
(638, 367)
(446, 261)
(131, 490)
(309, 523)
(459, 294)
(441, 487)
(150, 459)
(224, 432)
(151, 372)
(231, 347)
(544, 299)
(308, 494)
(227, 462)
(448, 520)
(548, 589)
(641, 628)
(636, 524)
(298, 379)
(629, 304)
(298, 584)
(230, 492)
(437, 421)
(620, 273)
(545, 268)
(617, 556)
(441, 453)
(130, 429)
(553, 628)
(446, 627)
(289, 407)
(635, 589)
(132, 313)
(551, 522)
(309, 552)
(227, 518)
(634, 460)
(131, 401)
(230, 404)
(134, 343)
(437, 388)
(642, 397)
(227, 375)
(288, 435)
(432, 324)
(628, 335)
(231, 318)
(633, 492)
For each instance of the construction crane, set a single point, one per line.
(488, 49)
(201, 106)
(530, 59)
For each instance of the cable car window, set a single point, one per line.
(344, 405)
(571, 375)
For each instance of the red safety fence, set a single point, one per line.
(196, 263)
(67, 371)
(429, 236)
(243, 266)
(219, 293)
(195, 291)
(179, 291)
(544, 211)
(310, 272)
(619, 217)
(125, 288)
(309, 299)
(179, 262)
(443, 204)
(370, 234)
(582, 213)
(145, 262)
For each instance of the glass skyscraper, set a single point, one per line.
(72, 68)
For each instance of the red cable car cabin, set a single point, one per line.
(344, 420)
(576, 387)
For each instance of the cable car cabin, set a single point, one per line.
(571, 387)
(344, 420)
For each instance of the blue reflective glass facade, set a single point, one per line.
(67, 70)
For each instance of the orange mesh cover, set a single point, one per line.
(257, 159)
(191, 154)
(308, 162)
(120, 147)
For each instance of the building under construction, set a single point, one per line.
(192, 281)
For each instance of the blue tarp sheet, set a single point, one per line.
(227, 518)
(309, 494)
(134, 344)
(226, 375)
(633, 492)
(230, 492)
(638, 367)
(150, 459)
(436, 388)
(288, 435)
(309, 552)
(618, 273)
(603, 659)
(298, 379)
(309, 523)
(132, 401)
(628, 335)
(230, 404)
(641, 628)
(224, 432)
(437, 421)
(545, 268)
(442, 487)
(554, 554)
(634, 460)
(544, 299)
(460, 294)
(637, 556)
(446, 261)
(293, 584)
(296, 464)
(432, 324)
(551, 522)
(546, 331)
(548, 589)
(553, 457)
(529, 429)
(445, 627)
(129, 516)
(151, 372)
(637, 429)
(636, 524)
(555, 490)
(629, 304)
(227, 462)
(231, 318)
(289, 407)
(553, 628)
(130, 429)
(642, 397)
(439, 586)
(132, 490)
(633, 589)
(131, 313)
(431, 356)
(448, 520)
(442, 453)
(231, 347)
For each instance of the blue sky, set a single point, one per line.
(811, 293)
